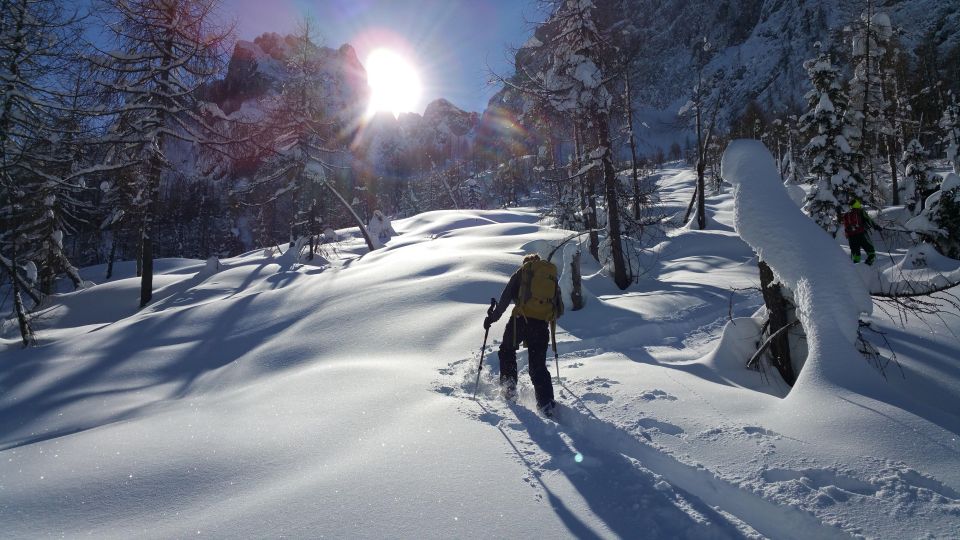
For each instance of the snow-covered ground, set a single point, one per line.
(273, 398)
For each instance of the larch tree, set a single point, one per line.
(871, 104)
(703, 110)
(576, 83)
(301, 145)
(163, 52)
(39, 136)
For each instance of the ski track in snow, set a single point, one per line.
(640, 487)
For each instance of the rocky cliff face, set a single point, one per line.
(398, 146)
(760, 45)
(258, 69)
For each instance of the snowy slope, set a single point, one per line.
(274, 398)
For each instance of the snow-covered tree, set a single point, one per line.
(832, 162)
(870, 87)
(298, 139)
(38, 131)
(703, 111)
(939, 221)
(163, 52)
(576, 82)
(950, 124)
(919, 182)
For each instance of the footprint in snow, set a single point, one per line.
(657, 394)
(491, 418)
(596, 397)
(760, 432)
(662, 427)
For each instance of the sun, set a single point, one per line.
(394, 83)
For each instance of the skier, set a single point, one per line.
(856, 223)
(538, 304)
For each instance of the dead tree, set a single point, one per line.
(778, 310)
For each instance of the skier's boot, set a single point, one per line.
(548, 409)
(871, 257)
(509, 391)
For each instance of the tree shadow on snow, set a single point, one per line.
(209, 349)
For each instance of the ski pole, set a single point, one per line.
(486, 332)
(556, 357)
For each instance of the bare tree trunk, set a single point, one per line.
(892, 161)
(693, 200)
(777, 310)
(363, 229)
(620, 276)
(443, 178)
(577, 293)
(633, 147)
(15, 276)
(113, 252)
(589, 205)
(594, 244)
(146, 280)
(140, 252)
(26, 333)
(701, 165)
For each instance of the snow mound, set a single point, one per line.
(829, 293)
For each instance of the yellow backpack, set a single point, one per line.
(538, 288)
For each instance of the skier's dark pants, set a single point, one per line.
(858, 241)
(537, 335)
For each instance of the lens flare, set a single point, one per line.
(394, 83)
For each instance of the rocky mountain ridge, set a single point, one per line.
(257, 71)
(759, 45)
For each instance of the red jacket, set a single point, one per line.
(855, 222)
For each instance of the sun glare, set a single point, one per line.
(394, 83)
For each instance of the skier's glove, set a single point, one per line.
(487, 322)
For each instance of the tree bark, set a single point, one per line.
(363, 229)
(588, 181)
(140, 252)
(620, 276)
(633, 148)
(693, 201)
(26, 334)
(891, 159)
(146, 280)
(113, 252)
(576, 295)
(777, 310)
(701, 165)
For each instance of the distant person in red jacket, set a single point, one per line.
(856, 224)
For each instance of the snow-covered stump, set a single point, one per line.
(571, 282)
(830, 296)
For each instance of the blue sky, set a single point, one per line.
(451, 42)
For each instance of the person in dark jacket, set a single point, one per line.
(856, 225)
(534, 332)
